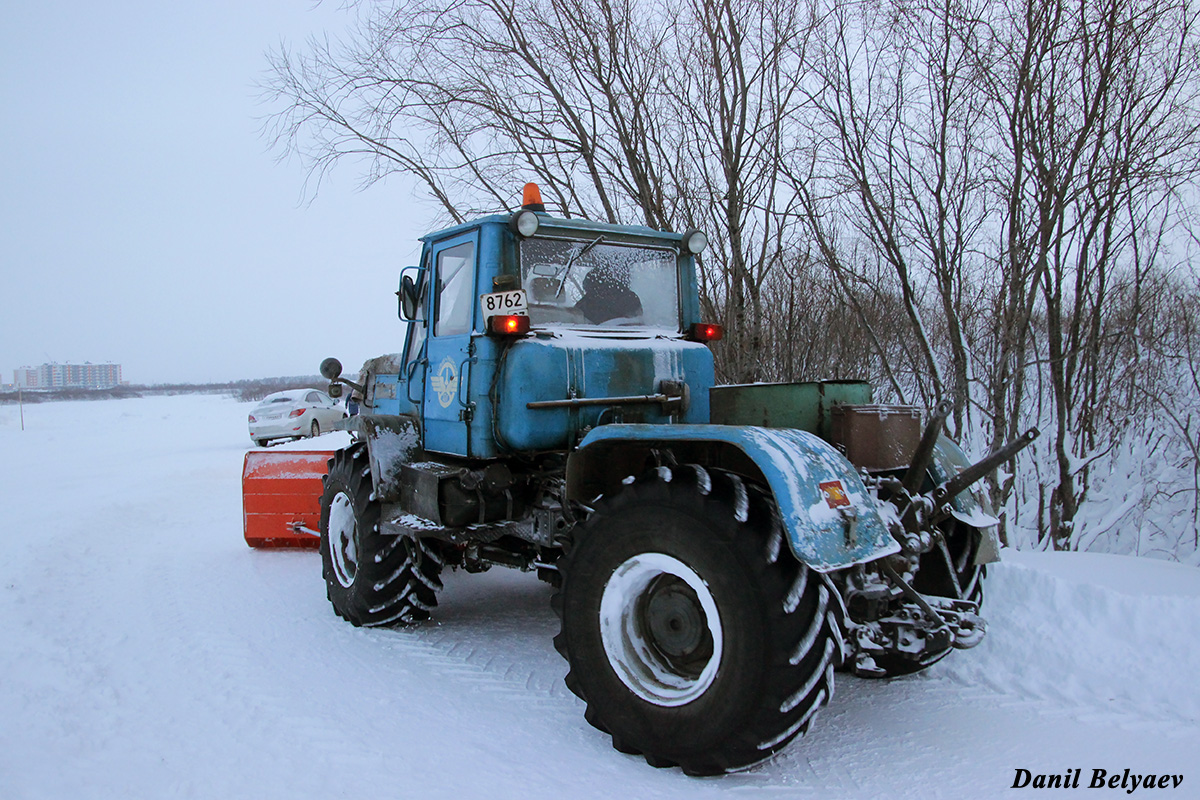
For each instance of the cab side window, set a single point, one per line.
(455, 282)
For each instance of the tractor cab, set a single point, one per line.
(526, 331)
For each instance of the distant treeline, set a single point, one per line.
(245, 390)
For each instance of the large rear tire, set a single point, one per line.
(692, 634)
(372, 579)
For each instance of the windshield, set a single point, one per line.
(595, 283)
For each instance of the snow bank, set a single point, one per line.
(1104, 636)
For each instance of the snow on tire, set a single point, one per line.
(371, 579)
(692, 634)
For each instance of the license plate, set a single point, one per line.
(511, 302)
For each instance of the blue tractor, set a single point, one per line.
(717, 552)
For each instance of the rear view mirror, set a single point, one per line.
(410, 293)
(331, 368)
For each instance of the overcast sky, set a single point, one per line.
(143, 220)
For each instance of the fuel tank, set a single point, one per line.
(552, 388)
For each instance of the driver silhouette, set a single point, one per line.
(607, 296)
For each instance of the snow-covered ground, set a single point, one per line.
(147, 652)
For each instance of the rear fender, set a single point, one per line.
(972, 506)
(817, 491)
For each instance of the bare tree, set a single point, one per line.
(1101, 126)
(663, 114)
(893, 93)
(1005, 157)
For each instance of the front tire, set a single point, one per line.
(691, 633)
(371, 579)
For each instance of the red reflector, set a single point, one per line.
(298, 412)
(508, 324)
(707, 332)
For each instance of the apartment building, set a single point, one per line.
(68, 376)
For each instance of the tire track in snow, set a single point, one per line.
(1087, 706)
(287, 676)
(490, 636)
(494, 633)
(237, 647)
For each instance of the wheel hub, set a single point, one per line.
(674, 618)
(343, 547)
(661, 629)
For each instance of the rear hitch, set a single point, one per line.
(958, 619)
(920, 459)
(918, 628)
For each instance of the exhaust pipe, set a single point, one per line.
(968, 476)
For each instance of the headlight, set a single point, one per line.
(524, 223)
(694, 242)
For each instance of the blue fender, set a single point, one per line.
(972, 505)
(816, 489)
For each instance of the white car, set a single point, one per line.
(293, 415)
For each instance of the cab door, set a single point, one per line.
(447, 414)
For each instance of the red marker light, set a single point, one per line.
(298, 412)
(508, 324)
(706, 332)
(252, 419)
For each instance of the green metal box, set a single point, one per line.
(806, 406)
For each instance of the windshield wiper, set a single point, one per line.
(571, 262)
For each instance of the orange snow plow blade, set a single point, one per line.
(281, 497)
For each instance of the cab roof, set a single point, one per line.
(546, 221)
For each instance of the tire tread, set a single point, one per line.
(800, 677)
(396, 581)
